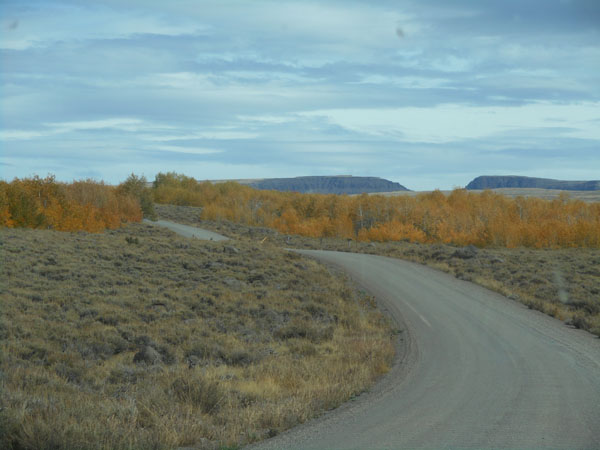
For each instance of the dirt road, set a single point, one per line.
(475, 370)
(188, 231)
(480, 371)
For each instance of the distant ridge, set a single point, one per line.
(341, 184)
(512, 181)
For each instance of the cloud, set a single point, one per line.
(202, 135)
(452, 122)
(408, 82)
(266, 88)
(54, 22)
(15, 135)
(13, 25)
(188, 150)
(123, 124)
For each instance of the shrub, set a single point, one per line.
(138, 188)
(198, 392)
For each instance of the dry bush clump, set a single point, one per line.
(564, 283)
(138, 338)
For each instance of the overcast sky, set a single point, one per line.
(428, 93)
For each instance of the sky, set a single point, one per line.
(428, 93)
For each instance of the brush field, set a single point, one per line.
(564, 283)
(139, 338)
(544, 194)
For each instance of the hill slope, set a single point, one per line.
(511, 181)
(329, 184)
(139, 338)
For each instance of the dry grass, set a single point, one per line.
(564, 283)
(138, 338)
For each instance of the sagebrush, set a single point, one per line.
(138, 338)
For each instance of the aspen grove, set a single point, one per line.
(461, 218)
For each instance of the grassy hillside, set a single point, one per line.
(137, 338)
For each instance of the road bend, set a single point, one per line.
(477, 371)
(474, 369)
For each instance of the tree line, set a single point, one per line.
(460, 218)
(81, 205)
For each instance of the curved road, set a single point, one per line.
(478, 371)
(475, 370)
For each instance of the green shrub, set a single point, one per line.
(137, 187)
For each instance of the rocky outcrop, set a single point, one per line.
(511, 181)
(329, 185)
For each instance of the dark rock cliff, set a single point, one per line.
(495, 182)
(329, 184)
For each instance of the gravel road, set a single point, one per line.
(474, 369)
(188, 231)
(477, 371)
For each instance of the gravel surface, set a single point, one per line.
(188, 231)
(474, 370)
(480, 371)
